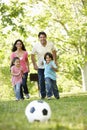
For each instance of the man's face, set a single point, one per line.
(42, 39)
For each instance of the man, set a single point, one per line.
(40, 49)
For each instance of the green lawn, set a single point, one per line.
(68, 113)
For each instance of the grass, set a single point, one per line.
(68, 113)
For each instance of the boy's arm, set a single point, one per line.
(54, 67)
(55, 57)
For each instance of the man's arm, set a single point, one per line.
(34, 61)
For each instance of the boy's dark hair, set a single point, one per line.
(48, 54)
(42, 33)
(14, 59)
(14, 45)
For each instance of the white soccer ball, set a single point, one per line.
(38, 110)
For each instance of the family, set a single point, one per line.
(46, 68)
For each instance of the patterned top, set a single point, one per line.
(18, 77)
(23, 60)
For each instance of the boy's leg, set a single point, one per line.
(48, 87)
(55, 89)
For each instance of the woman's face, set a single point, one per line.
(19, 45)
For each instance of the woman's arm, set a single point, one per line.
(28, 65)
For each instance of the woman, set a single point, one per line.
(19, 50)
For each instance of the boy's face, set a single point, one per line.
(48, 59)
(17, 62)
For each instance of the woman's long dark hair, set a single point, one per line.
(14, 45)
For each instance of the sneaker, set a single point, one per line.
(27, 96)
(49, 98)
(22, 99)
(57, 97)
(43, 97)
(16, 99)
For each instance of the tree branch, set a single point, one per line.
(63, 25)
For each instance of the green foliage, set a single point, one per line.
(64, 21)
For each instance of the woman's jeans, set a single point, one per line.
(24, 84)
(17, 88)
(42, 82)
(51, 86)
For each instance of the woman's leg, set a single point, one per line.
(21, 92)
(24, 84)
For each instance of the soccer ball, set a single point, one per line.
(38, 110)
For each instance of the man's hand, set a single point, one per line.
(35, 67)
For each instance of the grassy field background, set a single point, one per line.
(68, 113)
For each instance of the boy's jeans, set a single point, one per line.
(17, 88)
(51, 87)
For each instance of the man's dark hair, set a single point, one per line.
(42, 33)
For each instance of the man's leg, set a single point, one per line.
(41, 82)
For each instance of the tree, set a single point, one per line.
(64, 21)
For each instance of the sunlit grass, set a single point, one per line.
(68, 113)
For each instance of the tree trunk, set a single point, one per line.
(84, 77)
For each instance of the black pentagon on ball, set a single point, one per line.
(40, 101)
(32, 110)
(45, 112)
